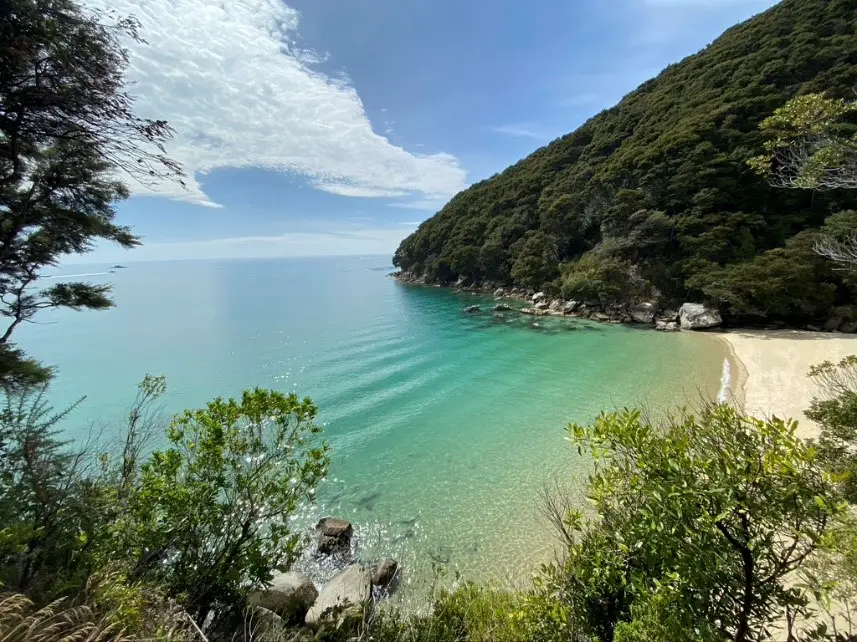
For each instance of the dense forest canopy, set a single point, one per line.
(654, 198)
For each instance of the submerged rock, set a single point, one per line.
(502, 307)
(472, 309)
(345, 596)
(334, 536)
(695, 316)
(289, 595)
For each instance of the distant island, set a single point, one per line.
(653, 199)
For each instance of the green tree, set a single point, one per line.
(66, 127)
(809, 146)
(835, 410)
(211, 514)
(537, 263)
(699, 524)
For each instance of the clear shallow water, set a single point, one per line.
(444, 426)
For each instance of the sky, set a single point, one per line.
(331, 127)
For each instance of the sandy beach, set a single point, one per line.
(772, 366)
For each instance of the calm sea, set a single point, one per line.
(444, 426)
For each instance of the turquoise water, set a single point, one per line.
(444, 426)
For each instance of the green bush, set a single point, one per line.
(702, 519)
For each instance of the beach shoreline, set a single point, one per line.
(771, 369)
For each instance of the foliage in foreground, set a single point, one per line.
(198, 522)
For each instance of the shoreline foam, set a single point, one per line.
(772, 368)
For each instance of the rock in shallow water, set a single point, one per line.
(333, 536)
(472, 309)
(643, 313)
(384, 572)
(346, 594)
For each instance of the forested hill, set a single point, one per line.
(654, 197)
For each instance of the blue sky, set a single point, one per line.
(334, 126)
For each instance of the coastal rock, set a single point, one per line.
(502, 307)
(813, 328)
(542, 306)
(385, 572)
(556, 305)
(643, 313)
(333, 536)
(289, 595)
(600, 316)
(530, 311)
(695, 316)
(538, 296)
(669, 315)
(347, 594)
(849, 327)
(667, 326)
(833, 324)
(570, 306)
(472, 309)
(499, 292)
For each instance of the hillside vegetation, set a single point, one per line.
(654, 197)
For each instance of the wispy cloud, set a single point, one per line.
(240, 93)
(429, 205)
(520, 130)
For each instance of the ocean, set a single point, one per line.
(444, 427)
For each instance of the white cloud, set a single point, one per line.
(430, 205)
(338, 243)
(230, 79)
(520, 130)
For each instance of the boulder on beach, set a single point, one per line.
(695, 316)
(643, 312)
(472, 309)
(538, 296)
(385, 571)
(289, 595)
(333, 536)
(346, 595)
(556, 305)
(833, 324)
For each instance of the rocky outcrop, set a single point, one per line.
(345, 596)
(289, 595)
(333, 536)
(642, 313)
(849, 327)
(538, 296)
(472, 309)
(569, 307)
(542, 306)
(667, 326)
(695, 316)
(499, 292)
(385, 571)
(502, 307)
(556, 305)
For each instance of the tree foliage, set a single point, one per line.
(660, 182)
(699, 523)
(67, 127)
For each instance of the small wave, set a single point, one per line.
(725, 383)
(74, 276)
